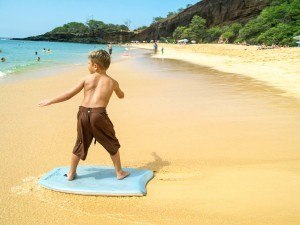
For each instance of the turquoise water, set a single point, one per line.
(20, 55)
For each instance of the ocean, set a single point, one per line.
(20, 55)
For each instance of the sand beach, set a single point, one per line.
(279, 67)
(224, 146)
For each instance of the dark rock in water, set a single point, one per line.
(114, 37)
(216, 12)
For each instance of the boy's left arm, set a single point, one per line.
(64, 96)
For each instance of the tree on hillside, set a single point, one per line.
(72, 28)
(197, 29)
(180, 10)
(281, 34)
(96, 27)
(127, 23)
(170, 14)
(157, 19)
(177, 34)
(141, 28)
(231, 32)
(213, 34)
(277, 24)
(188, 34)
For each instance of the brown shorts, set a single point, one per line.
(94, 123)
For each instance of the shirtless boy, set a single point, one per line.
(92, 118)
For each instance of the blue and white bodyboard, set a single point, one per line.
(98, 180)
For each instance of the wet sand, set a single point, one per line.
(224, 148)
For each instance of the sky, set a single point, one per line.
(23, 18)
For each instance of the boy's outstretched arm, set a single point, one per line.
(64, 96)
(118, 90)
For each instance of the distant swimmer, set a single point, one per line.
(109, 49)
(49, 50)
(3, 59)
(0, 51)
(44, 50)
(38, 59)
(155, 46)
(36, 53)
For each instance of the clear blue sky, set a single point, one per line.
(22, 18)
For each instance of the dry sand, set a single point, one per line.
(224, 148)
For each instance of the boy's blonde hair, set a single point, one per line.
(101, 58)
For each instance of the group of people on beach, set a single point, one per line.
(263, 46)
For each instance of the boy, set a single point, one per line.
(92, 119)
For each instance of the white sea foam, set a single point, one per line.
(2, 74)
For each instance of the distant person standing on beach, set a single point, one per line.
(109, 49)
(162, 50)
(155, 46)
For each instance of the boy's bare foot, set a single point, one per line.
(70, 176)
(121, 175)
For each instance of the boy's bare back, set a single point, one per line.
(98, 86)
(98, 89)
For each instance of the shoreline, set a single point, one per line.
(279, 68)
(22, 56)
(46, 71)
(38, 73)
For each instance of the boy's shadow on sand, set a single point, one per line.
(155, 165)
